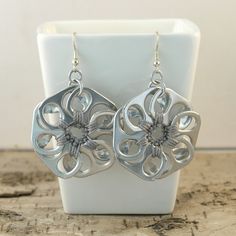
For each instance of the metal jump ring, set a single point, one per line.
(157, 81)
(75, 76)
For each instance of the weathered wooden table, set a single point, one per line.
(30, 202)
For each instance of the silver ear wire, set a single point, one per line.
(157, 75)
(75, 61)
(75, 75)
(157, 56)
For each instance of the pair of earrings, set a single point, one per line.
(154, 134)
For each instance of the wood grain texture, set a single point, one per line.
(30, 202)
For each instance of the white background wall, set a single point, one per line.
(20, 77)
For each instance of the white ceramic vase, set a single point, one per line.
(116, 58)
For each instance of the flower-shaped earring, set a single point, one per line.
(72, 129)
(155, 133)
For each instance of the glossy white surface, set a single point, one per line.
(116, 60)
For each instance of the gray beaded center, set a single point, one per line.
(157, 134)
(76, 134)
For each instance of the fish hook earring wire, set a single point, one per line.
(155, 132)
(71, 129)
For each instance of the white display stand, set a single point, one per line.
(116, 58)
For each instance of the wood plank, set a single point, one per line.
(30, 202)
